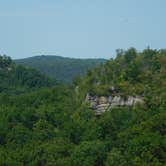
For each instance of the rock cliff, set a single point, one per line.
(104, 103)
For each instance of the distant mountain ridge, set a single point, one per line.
(63, 69)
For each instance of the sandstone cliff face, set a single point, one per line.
(103, 103)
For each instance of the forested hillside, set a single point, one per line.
(61, 68)
(55, 126)
(130, 73)
(17, 79)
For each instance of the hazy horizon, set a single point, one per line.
(80, 29)
(58, 56)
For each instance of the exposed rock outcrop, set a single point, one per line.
(103, 103)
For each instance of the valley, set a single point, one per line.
(45, 122)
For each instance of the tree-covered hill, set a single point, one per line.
(61, 68)
(130, 73)
(54, 126)
(17, 79)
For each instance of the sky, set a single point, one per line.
(80, 28)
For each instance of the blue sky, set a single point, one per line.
(80, 28)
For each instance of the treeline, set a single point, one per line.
(130, 73)
(61, 68)
(18, 79)
(54, 126)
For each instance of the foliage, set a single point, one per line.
(61, 68)
(18, 79)
(130, 73)
(53, 126)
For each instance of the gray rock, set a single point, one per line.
(103, 103)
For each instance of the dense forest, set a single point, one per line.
(53, 125)
(18, 79)
(61, 68)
